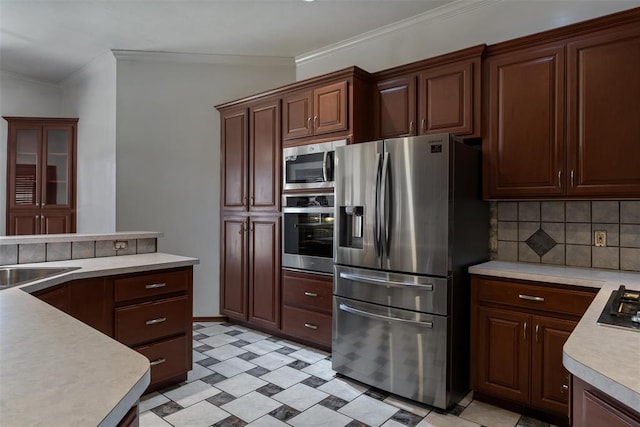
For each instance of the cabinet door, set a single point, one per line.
(264, 271)
(264, 180)
(591, 408)
(20, 223)
(58, 166)
(603, 105)
(91, 302)
(56, 297)
(503, 353)
(446, 100)
(24, 152)
(233, 268)
(524, 149)
(550, 380)
(56, 222)
(395, 106)
(330, 108)
(297, 113)
(234, 159)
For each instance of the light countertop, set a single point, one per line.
(605, 357)
(54, 368)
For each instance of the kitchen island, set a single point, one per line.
(601, 356)
(55, 369)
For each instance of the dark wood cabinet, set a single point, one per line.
(264, 271)
(592, 408)
(91, 302)
(307, 307)
(518, 330)
(437, 95)
(234, 267)
(318, 111)
(41, 170)
(55, 296)
(561, 115)
(235, 158)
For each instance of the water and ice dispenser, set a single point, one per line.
(351, 226)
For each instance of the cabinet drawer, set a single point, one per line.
(168, 358)
(307, 291)
(557, 300)
(149, 321)
(147, 285)
(308, 325)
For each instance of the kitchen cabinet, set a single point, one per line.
(438, 95)
(250, 270)
(91, 302)
(307, 306)
(251, 157)
(41, 169)
(592, 408)
(55, 296)
(518, 330)
(153, 315)
(561, 115)
(332, 105)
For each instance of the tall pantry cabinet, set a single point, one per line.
(250, 199)
(41, 169)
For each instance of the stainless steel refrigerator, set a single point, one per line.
(409, 221)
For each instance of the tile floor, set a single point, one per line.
(242, 377)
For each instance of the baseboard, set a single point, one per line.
(210, 319)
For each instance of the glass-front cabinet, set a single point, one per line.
(41, 175)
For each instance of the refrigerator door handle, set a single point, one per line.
(352, 310)
(376, 223)
(384, 226)
(376, 281)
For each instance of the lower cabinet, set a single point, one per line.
(307, 306)
(592, 408)
(518, 330)
(150, 312)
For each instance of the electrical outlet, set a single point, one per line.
(120, 245)
(600, 238)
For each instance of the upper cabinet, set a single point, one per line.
(41, 168)
(251, 152)
(437, 95)
(562, 116)
(336, 104)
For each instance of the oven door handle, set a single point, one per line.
(376, 281)
(324, 166)
(352, 310)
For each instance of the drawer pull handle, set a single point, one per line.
(310, 294)
(564, 388)
(310, 326)
(154, 321)
(158, 361)
(155, 285)
(530, 298)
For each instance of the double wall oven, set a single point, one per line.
(308, 206)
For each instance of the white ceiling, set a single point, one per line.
(50, 39)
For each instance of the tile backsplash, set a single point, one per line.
(562, 233)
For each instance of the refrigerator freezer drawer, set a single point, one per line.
(411, 292)
(395, 350)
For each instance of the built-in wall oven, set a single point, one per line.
(307, 232)
(309, 166)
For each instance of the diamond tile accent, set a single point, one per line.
(540, 242)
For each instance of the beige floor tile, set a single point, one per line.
(489, 415)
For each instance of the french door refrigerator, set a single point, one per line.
(409, 221)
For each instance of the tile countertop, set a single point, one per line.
(605, 357)
(54, 367)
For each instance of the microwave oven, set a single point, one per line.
(309, 166)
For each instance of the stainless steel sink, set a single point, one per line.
(12, 276)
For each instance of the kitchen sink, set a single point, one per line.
(13, 276)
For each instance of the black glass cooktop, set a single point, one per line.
(622, 310)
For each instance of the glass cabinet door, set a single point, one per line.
(26, 163)
(56, 173)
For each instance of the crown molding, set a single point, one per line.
(202, 58)
(441, 13)
(18, 76)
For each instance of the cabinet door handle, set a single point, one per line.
(423, 124)
(154, 321)
(524, 331)
(155, 285)
(560, 179)
(252, 200)
(537, 329)
(158, 361)
(310, 294)
(572, 176)
(310, 326)
(309, 122)
(411, 126)
(315, 122)
(564, 388)
(242, 229)
(530, 298)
